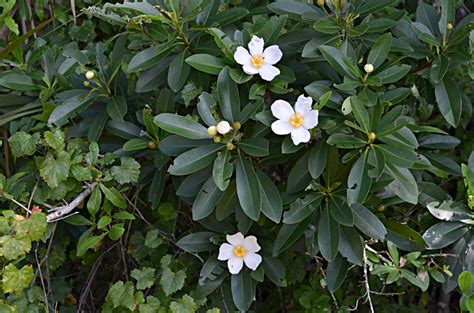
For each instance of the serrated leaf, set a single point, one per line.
(127, 172)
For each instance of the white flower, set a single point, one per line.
(296, 122)
(90, 75)
(238, 251)
(368, 68)
(258, 60)
(223, 127)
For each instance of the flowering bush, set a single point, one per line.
(184, 156)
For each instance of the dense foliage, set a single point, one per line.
(214, 156)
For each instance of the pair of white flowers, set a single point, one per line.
(297, 121)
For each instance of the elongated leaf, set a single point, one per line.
(328, 236)
(196, 242)
(206, 63)
(181, 126)
(194, 159)
(443, 234)
(178, 71)
(117, 108)
(288, 234)
(449, 101)
(114, 196)
(404, 185)
(447, 16)
(272, 206)
(148, 57)
(301, 209)
(229, 100)
(243, 290)
(351, 245)
(359, 182)
(222, 170)
(248, 189)
(206, 200)
(341, 212)
(439, 68)
(317, 159)
(368, 223)
(336, 273)
(379, 52)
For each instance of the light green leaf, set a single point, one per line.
(127, 172)
(16, 280)
(23, 144)
(172, 281)
(55, 170)
(145, 277)
(122, 295)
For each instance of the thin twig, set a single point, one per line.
(21, 205)
(366, 281)
(46, 302)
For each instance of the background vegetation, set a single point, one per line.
(115, 198)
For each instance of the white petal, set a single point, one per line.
(256, 46)
(272, 54)
(241, 55)
(249, 69)
(226, 251)
(235, 265)
(250, 244)
(252, 260)
(282, 127)
(299, 135)
(268, 72)
(282, 110)
(236, 239)
(303, 104)
(310, 119)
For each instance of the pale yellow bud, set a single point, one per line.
(212, 131)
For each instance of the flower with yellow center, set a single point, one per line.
(256, 60)
(296, 122)
(240, 250)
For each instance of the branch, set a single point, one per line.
(366, 281)
(61, 211)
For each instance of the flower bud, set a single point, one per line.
(414, 92)
(223, 127)
(217, 139)
(86, 83)
(368, 68)
(449, 26)
(236, 125)
(90, 75)
(321, 3)
(371, 136)
(230, 146)
(212, 131)
(152, 145)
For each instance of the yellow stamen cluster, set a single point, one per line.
(240, 251)
(296, 120)
(257, 60)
